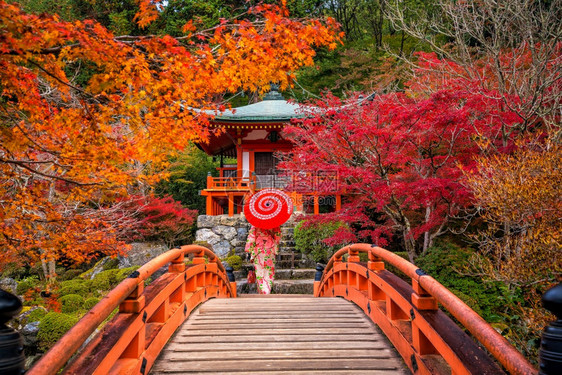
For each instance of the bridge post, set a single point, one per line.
(353, 256)
(199, 258)
(231, 279)
(177, 265)
(421, 300)
(11, 343)
(375, 263)
(551, 344)
(135, 302)
(318, 278)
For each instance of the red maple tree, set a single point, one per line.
(400, 158)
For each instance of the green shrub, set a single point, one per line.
(90, 302)
(70, 274)
(309, 240)
(491, 299)
(124, 273)
(15, 271)
(234, 261)
(74, 286)
(34, 302)
(52, 327)
(26, 284)
(105, 280)
(110, 264)
(71, 303)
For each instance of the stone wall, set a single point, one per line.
(224, 233)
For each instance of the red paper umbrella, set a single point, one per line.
(268, 208)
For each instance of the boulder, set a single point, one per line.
(205, 221)
(97, 268)
(231, 221)
(9, 285)
(29, 334)
(23, 318)
(141, 253)
(236, 243)
(207, 235)
(124, 262)
(225, 231)
(222, 248)
(242, 234)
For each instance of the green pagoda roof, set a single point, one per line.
(273, 107)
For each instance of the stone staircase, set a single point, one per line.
(288, 257)
(287, 281)
(294, 274)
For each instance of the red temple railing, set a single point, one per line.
(147, 317)
(230, 183)
(427, 339)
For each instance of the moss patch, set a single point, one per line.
(71, 303)
(75, 286)
(52, 327)
(234, 261)
(90, 302)
(26, 284)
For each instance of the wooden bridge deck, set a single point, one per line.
(284, 334)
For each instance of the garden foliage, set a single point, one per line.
(310, 239)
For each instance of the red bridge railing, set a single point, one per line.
(147, 317)
(427, 339)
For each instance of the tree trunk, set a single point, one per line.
(409, 242)
(426, 236)
(403, 37)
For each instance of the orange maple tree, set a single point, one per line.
(87, 116)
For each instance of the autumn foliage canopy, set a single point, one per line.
(87, 117)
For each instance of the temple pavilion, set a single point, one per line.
(252, 134)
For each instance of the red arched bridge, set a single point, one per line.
(330, 331)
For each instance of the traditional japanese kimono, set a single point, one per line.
(263, 244)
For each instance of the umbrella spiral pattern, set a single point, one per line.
(268, 208)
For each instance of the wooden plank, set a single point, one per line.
(293, 353)
(274, 320)
(278, 364)
(267, 301)
(265, 338)
(279, 325)
(270, 332)
(280, 310)
(268, 316)
(260, 316)
(274, 296)
(287, 345)
(305, 372)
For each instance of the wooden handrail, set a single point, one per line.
(390, 303)
(230, 182)
(161, 303)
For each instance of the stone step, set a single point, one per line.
(293, 287)
(289, 254)
(288, 249)
(242, 287)
(288, 243)
(279, 287)
(282, 274)
(295, 274)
